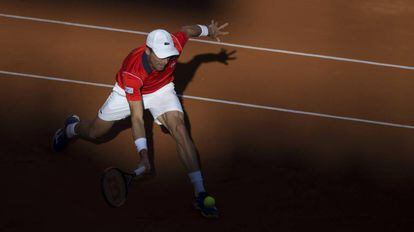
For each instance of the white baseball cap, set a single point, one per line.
(161, 42)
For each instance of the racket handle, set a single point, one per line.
(139, 170)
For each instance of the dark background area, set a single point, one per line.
(269, 171)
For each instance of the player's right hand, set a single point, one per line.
(144, 161)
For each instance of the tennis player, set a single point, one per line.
(145, 81)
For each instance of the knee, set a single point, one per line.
(179, 130)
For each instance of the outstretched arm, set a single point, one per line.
(213, 30)
(138, 132)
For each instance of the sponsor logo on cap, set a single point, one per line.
(129, 90)
(166, 43)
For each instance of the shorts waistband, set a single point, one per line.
(118, 89)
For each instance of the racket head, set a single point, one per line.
(114, 186)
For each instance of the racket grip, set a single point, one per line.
(139, 170)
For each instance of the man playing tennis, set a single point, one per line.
(145, 82)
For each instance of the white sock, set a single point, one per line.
(70, 130)
(139, 170)
(197, 182)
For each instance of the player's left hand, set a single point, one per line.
(214, 30)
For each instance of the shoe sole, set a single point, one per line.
(54, 138)
(210, 216)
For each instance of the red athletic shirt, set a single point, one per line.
(136, 76)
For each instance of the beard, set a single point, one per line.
(160, 67)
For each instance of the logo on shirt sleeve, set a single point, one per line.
(129, 90)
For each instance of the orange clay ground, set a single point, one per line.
(269, 170)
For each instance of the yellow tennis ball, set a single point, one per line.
(209, 202)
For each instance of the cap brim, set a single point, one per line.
(164, 53)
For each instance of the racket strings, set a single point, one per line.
(114, 187)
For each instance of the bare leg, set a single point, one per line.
(90, 130)
(174, 122)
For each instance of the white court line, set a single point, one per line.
(223, 102)
(218, 43)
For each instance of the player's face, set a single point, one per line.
(157, 63)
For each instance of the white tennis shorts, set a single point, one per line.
(159, 102)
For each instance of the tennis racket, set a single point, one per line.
(115, 183)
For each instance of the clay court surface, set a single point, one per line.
(269, 170)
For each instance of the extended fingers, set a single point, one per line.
(223, 26)
(215, 29)
(216, 24)
(231, 53)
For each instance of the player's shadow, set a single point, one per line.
(184, 74)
